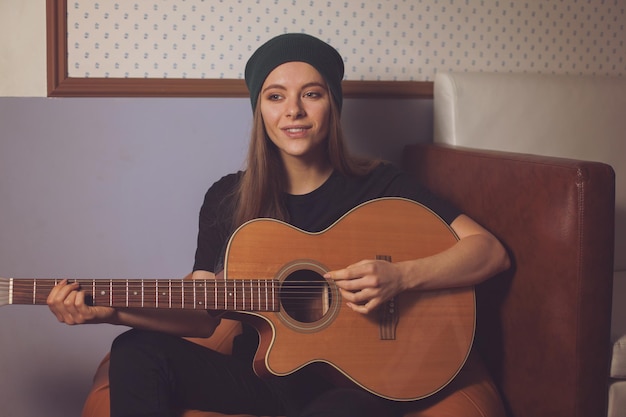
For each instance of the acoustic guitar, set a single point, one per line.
(408, 349)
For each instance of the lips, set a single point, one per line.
(295, 130)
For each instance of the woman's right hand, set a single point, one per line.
(67, 303)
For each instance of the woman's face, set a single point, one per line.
(295, 105)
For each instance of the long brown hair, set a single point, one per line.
(262, 187)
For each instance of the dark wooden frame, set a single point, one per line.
(61, 85)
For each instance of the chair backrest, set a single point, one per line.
(568, 116)
(544, 325)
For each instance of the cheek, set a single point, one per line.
(267, 119)
(269, 131)
(325, 123)
(268, 113)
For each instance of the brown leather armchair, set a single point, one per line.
(544, 325)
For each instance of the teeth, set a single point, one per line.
(296, 129)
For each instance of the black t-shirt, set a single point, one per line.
(312, 212)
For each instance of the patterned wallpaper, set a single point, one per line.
(379, 39)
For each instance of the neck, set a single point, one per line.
(304, 178)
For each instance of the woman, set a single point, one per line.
(297, 171)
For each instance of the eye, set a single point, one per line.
(313, 94)
(274, 97)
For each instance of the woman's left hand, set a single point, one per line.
(367, 284)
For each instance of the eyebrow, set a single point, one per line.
(305, 86)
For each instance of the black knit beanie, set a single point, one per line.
(292, 47)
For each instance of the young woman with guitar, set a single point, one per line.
(298, 172)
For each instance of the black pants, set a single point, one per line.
(157, 375)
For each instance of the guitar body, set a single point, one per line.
(409, 349)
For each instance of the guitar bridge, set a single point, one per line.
(389, 315)
(389, 320)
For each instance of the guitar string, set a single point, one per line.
(148, 288)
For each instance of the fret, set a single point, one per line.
(228, 301)
(129, 291)
(148, 289)
(98, 292)
(215, 296)
(150, 292)
(250, 295)
(170, 292)
(200, 302)
(175, 295)
(194, 294)
(191, 295)
(182, 294)
(238, 294)
(224, 297)
(253, 286)
(135, 293)
(243, 295)
(252, 308)
(235, 294)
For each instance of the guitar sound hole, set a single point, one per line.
(305, 296)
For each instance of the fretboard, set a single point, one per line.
(234, 295)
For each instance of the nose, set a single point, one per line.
(295, 108)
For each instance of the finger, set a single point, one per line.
(74, 308)
(363, 282)
(69, 303)
(364, 308)
(361, 297)
(353, 271)
(79, 304)
(340, 274)
(348, 296)
(55, 290)
(58, 295)
(358, 308)
(80, 310)
(62, 290)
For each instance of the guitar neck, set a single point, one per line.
(197, 294)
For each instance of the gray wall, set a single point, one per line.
(111, 188)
